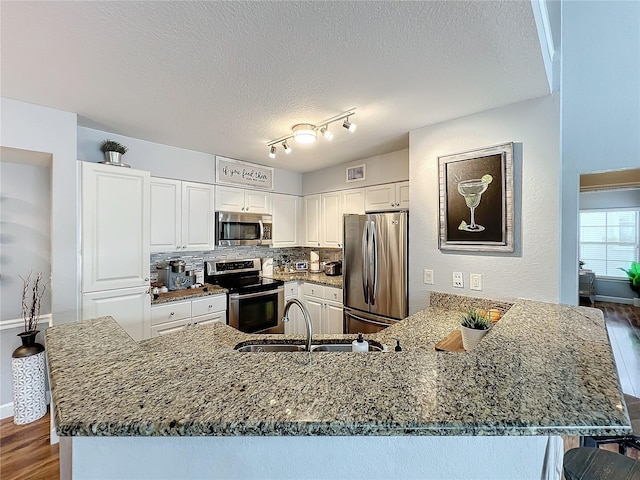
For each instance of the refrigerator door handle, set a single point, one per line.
(367, 320)
(374, 242)
(365, 242)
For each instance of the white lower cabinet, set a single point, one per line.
(176, 316)
(325, 307)
(295, 325)
(130, 307)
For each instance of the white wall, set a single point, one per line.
(600, 107)
(629, 197)
(532, 270)
(170, 162)
(34, 128)
(391, 167)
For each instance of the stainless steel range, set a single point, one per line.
(255, 304)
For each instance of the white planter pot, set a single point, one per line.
(471, 337)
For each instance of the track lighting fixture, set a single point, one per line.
(349, 126)
(308, 132)
(326, 133)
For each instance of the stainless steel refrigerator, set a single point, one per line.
(375, 271)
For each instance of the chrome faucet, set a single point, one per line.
(307, 318)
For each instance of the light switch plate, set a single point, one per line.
(457, 280)
(428, 277)
(475, 281)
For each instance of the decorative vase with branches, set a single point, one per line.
(31, 301)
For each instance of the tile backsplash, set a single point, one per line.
(195, 260)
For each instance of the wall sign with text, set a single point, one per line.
(236, 172)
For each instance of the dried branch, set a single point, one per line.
(31, 301)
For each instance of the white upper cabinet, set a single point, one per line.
(391, 196)
(312, 209)
(331, 220)
(231, 199)
(286, 220)
(181, 216)
(115, 227)
(353, 201)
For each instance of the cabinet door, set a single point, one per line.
(215, 317)
(380, 197)
(315, 306)
(166, 215)
(170, 327)
(130, 307)
(257, 202)
(229, 199)
(115, 227)
(353, 201)
(333, 319)
(286, 213)
(208, 305)
(197, 216)
(331, 216)
(312, 205)
(169, 312)
(295, 325)
(402, 195)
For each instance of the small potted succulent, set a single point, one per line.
(475, 325)
(113, 152)
(633, 273)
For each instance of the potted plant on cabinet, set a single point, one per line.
(113, 152)
(473, 327)
(27, 362)
(633, 273)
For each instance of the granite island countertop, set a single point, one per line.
(544, 369)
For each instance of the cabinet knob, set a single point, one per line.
(172, 314)
(146, 279)
(210, 306)
(246, 209)
(178, 247)
(184, 246)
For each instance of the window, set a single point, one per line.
(609, 240)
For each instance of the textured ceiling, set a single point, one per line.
(227, 77)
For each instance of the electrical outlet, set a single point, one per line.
(428, 277)
(457, 280)
(475, 281)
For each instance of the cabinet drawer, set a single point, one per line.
(210, 304)
(313, 290)
(333, 294)
(170, 327)
(291, 289)
(220, 317)
(169, 312)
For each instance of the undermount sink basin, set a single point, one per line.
(340, 347)
(270, 348)
(325, 347)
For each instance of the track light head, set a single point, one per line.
(287, 148)
(272, 152)
(349, 126)
(326, 133)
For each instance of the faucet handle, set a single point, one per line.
(285, 318)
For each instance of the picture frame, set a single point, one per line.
(243, 174)
(357, 173)
(476, 200)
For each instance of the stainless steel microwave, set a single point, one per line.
(233, 228)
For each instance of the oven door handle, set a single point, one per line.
(235, 296)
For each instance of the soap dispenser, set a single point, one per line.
(360, 345)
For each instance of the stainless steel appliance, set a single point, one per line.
(175, 277)
(374, 270)
(234, 228)
(333, 268)
(255, 303)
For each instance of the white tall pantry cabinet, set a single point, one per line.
(115, 246)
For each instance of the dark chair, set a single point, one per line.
(630, 440)
(586, 463)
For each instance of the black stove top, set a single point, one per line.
(245, 283)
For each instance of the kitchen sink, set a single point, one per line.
(325, 347)
(340, 347)
(270, 348)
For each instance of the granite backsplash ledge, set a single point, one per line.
(195, 260)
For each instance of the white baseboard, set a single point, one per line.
(605, 298)
(6, 409)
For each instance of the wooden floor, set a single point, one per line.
(25, 452)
